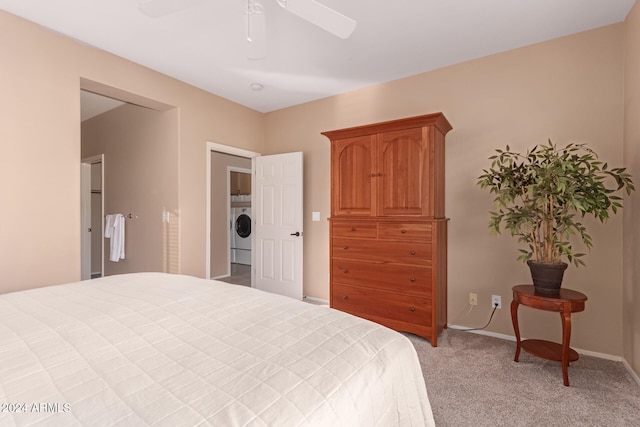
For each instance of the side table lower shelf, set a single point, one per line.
(547, 350)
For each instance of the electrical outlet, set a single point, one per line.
(496, 299)
(473, 299)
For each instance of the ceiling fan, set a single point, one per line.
(311, 11)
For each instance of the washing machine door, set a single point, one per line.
(243, 225)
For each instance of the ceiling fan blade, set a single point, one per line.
(158, 8)
(321, 15)
(256, 31)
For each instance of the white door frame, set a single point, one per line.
(227, 149)
(86, 184)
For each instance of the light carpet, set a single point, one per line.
(472, 380)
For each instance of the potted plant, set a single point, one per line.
(541, 197)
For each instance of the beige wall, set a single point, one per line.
(140, 148)
(40, 131)
(569, 89)
(220, 209)
(631, 289)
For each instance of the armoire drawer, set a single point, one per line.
(406, 308)
(381, 251)
(406, 231)
(390, 277)
(354, 229)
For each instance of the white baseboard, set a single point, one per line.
(318, 301)
(605, 356)
(513, 338)
(631, 371)
(482, 332)
(600, 355)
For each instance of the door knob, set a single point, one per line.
(297, 233)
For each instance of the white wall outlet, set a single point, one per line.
(315, 216)
(473, 299)
(496, 299)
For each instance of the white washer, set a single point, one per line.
(242, 235)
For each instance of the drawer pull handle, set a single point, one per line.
(345, 296)
(345, 271)
(413, 252)
(412, 309)
(403, 231)
(413, 279)
(345, 248)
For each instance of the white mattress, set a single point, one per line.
(159, 349)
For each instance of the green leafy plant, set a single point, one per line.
(542, 195)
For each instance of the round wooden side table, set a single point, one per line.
(566, 302)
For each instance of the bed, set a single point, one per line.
(161, 349)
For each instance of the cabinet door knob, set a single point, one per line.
(413, 279)
(373, 174)
(403, 231)
(379, 173)
(353, 229)
(345, 271)
(412, 309)
(345, 248)
(345, 296)
(413, 252)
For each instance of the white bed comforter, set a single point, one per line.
(159, 349)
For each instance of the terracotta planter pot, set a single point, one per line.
(547, 278)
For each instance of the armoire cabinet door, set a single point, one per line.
(353, 168)
(401, 174)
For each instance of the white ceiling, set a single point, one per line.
(205, 44)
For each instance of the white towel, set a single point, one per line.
(108, 226)
(114, 229)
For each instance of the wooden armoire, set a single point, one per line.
(388, 228)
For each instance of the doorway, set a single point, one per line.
(229, 192)
(139, 141)
(241, 224)
(277, 234)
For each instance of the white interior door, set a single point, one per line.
(278, 224)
